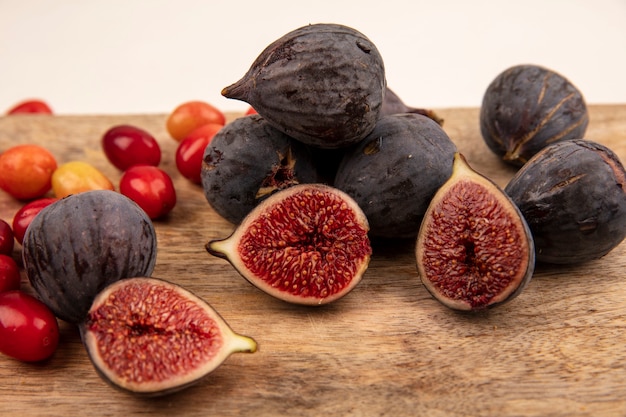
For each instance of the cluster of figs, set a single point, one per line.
(327, 120)
(331, 159)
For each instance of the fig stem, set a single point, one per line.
(240, 343)
(219, 248)
(236, 91)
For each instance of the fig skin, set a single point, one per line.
(526, 108)
(78, 245)
(573, 197)
(395, 171)
(307, 244)
(139, 304)
(248, 160)
(322, 84)
(474, 250)
(393, 104)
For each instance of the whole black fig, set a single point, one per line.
(248, 160)
(322, 84)
(573, 196)
(393, 104)
(528, 107)
(78, 245)
(395, 171)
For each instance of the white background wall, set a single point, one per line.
(147, 56)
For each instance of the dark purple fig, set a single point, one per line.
(573, 197)
(393, 104)
(395, 171)
(474, 250)
(322, 84)
(78, 245)
(151, 337)
(307, 244)
(327, 162)
(528, 107)
(248, 160)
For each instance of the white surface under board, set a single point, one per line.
(147, 56)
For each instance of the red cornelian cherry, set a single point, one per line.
(26, 214)
(191, 115)
(31, 106)
(28, 330)
(191, 150)
(7, 241)
(9, 274)
(151, 188)
(127, 145)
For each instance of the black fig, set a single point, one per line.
(306, 244)
(395, 171)
(78, 245)
(393, 104)
(322, 84)
(474, 249)
(151, 337)
(573, 196)
(528, 107)
(248, 160)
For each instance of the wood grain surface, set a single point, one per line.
(387, 348)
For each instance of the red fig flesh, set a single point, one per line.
(474, 249)
(307, 244)
(152, 337)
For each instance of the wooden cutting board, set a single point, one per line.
(387, 348)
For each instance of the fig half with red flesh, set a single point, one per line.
(153, 337)
(307, 244)
(474, 249)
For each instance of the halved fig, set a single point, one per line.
(307, 244)
(474, 249)
(153, 337)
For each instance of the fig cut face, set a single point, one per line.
(152, 337)
(307, 244)
(474, 249)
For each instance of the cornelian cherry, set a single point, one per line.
(7, 241)
(191, 115)
(77, 176)
(9, 274)
(191, 150)
(26, 171)
(151, 188)
(126, 145)
(26, 214)
(30, 107)
(29, 331)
